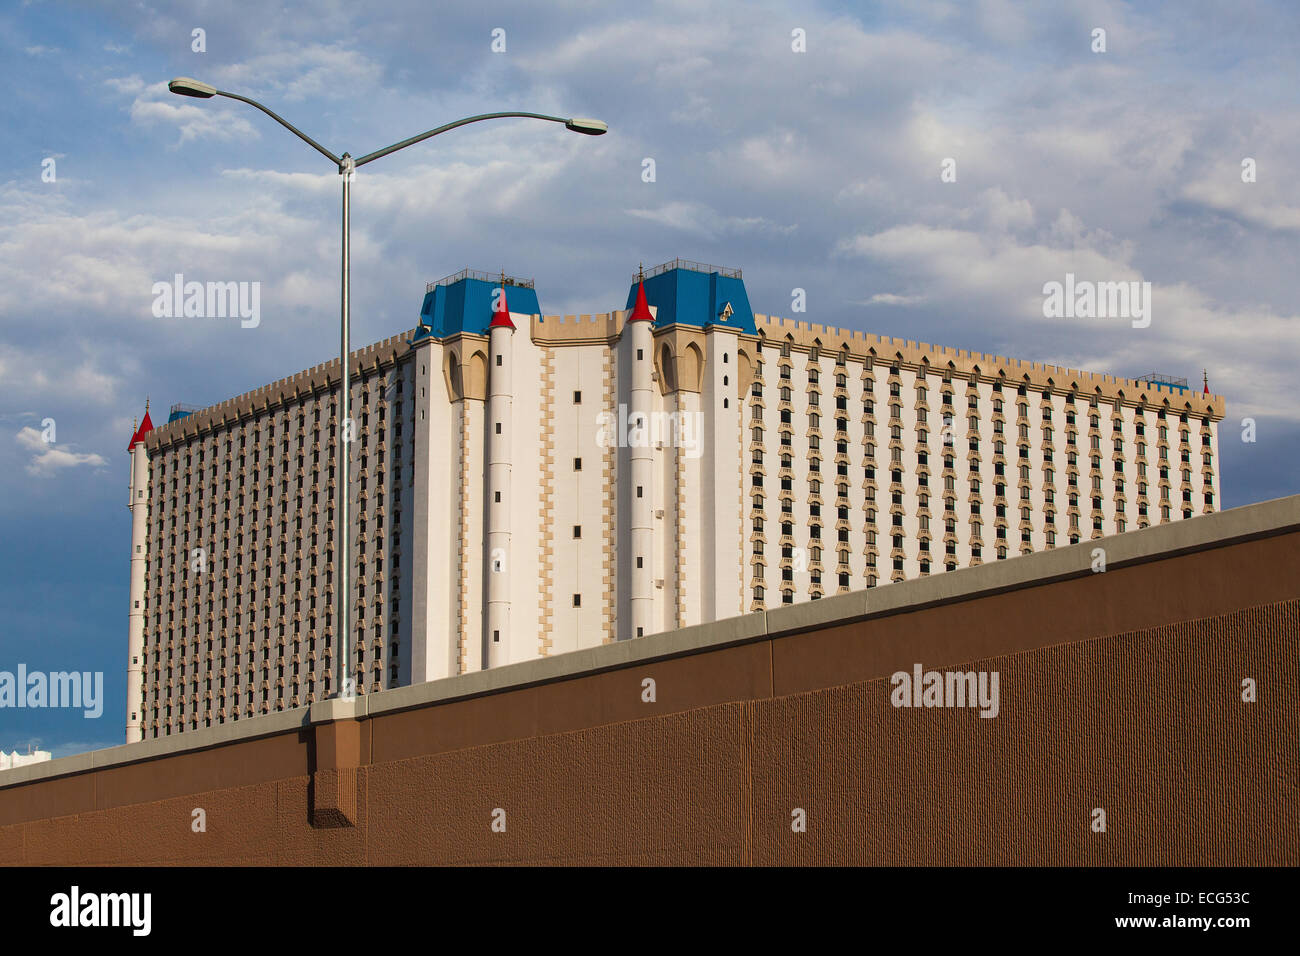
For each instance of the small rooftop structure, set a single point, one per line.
(1163, 378)
(692, 266)
(494, 278)
(179, 411)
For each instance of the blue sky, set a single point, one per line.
(816, 170)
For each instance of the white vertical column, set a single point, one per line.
(500, 406)
(642, 479)
(139, 508)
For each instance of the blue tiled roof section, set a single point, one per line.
(466, 306)
(687, 297)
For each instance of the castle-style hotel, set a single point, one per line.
(526, 484)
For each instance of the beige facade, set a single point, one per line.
(584, 479)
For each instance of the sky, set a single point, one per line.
(804, 143)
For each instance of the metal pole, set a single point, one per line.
(343, 455)
(343, 459)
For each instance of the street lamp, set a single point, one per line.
(186, 86)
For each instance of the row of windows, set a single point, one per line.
(251, 443)
(949, 481)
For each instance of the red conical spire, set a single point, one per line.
(641, 310)
(1205, 377)
(501, 317)
(146, 426)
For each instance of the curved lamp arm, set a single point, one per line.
(187, 86)
(286, 124)
(442, 129)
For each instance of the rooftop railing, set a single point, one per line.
(1161, 378)
(692, 266)
(481, 276)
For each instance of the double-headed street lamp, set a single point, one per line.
(186, 86)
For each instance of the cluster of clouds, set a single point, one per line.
(817, 170)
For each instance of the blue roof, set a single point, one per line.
(465, 305)
(688, 295)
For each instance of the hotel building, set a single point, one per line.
(527, 484)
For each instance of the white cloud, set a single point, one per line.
(296, 73)
(889, 298)
(155, 105)
(49, 459)
(1256, 202)
(129, 85)
(999, 278)
(700, 220)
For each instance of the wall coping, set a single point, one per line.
(1159, 542)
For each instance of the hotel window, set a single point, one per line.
(577, 600)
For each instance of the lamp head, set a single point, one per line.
(591, 127)
(186, 86)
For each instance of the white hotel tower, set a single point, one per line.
(530, 484)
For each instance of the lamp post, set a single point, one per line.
(185, 86)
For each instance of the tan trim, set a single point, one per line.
(938, 360)
(546, 566)
(462, 610)
(608, 466)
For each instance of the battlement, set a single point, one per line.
(285, 391)
(804, 335)
(584, 329)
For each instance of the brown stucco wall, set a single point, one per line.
(1118, 690)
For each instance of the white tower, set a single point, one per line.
(138, 505)
(500, 406)
(641, 326)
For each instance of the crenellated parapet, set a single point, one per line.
(982, 366)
